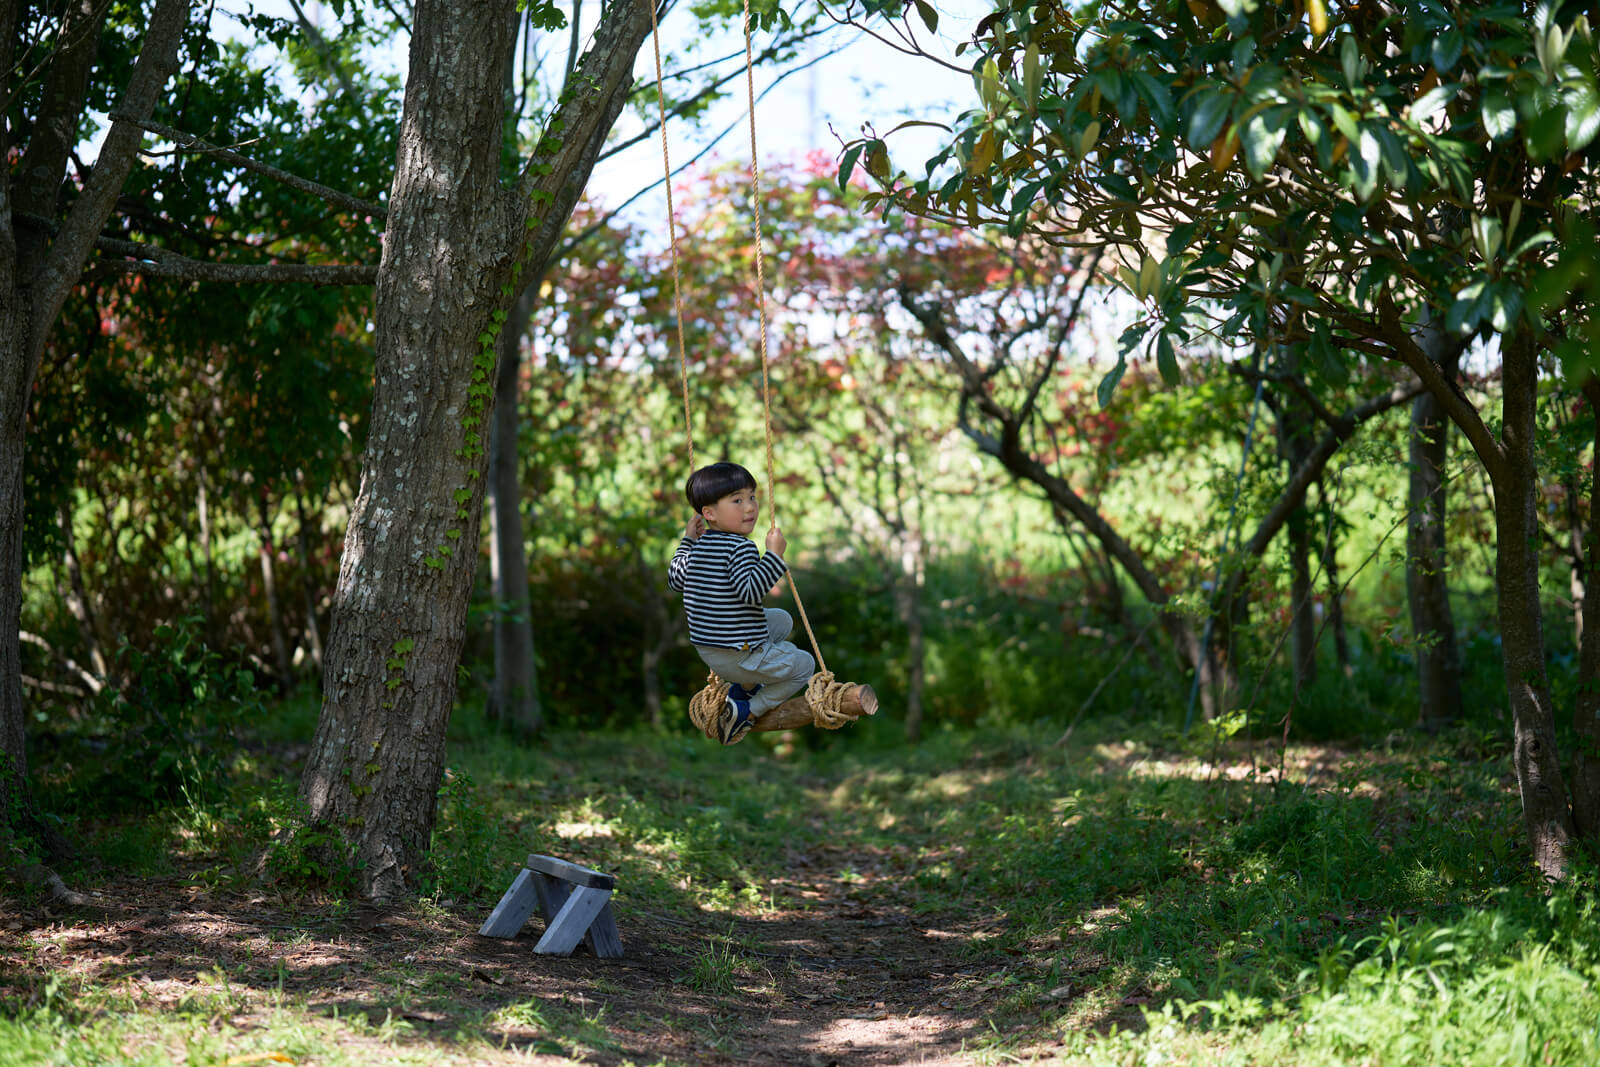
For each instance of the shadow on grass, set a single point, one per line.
(863, 909)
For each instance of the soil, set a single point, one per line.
(848, 976)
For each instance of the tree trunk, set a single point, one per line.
(908, 606)
(454, 251)
(208, 591)
(308, 582)
(1427, 581)
(1586, 717)
(515, 697)
(1545, 808)
(77, 597)
(1294, 442)
(1330, 572)
(34, 283)
(265, 552)
(660, 634)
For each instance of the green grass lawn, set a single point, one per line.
(1122, 900)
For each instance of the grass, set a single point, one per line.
(1121, 900)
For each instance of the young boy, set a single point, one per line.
(723, 578)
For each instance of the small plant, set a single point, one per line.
(171, 723)
(303, 853)
(713, 969)
(466, 842)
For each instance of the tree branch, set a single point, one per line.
(1342, 428)
(352, 204)
(1455, 403)
(1008, 451)
(63, 264)
(1325, 415)
(194, 270)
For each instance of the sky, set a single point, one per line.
(864, 81)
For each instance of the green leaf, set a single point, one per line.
(1244, 50)
(1350, 59)
(1181, 238)
(1543, 237)
(847, 164)
(1311, 125)
(1433, 101)
(1261, 138)
(1499, 116)
(1167, 361)
(1108, 384)
(1210, 112)
(1463, 314)
(1446, 50)
(1032, 78)
(1395, 158)
(1346, 123)
(1365, 161)
(1156, 97)
(1505, 306)
(930, 17)
(1583, 116)
(1545, 134)
(989, 84)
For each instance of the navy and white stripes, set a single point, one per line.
(723, 580)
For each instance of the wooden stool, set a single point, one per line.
(575, 902)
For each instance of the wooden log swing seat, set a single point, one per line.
(826, 703)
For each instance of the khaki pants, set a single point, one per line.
(778, 667)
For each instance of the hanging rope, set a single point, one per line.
(672, 231)
(824, 695)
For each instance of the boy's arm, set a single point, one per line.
(751, 574)
(680, 564)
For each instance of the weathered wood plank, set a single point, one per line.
(571, 872)
(603, 938)
(515, 906)
(572, 921)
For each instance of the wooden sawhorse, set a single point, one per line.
(575, 902)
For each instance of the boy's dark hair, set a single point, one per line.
(714, 481)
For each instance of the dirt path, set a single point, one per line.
(845, 976)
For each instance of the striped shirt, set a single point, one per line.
(723, 578)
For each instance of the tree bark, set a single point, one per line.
(208, 595)
(1294, 443)
(452, 259)
(1330, 572)
(1586, 716)
(308, 575)
(908, 606)
(515, 696)
(265, 551)
(1545, 808)
(1427, 581)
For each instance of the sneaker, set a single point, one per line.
(736, 719)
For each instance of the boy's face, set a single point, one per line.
(734, 513)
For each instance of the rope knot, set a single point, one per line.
(705, 707)
(824, 697)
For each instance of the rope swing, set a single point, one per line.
(825, 697)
